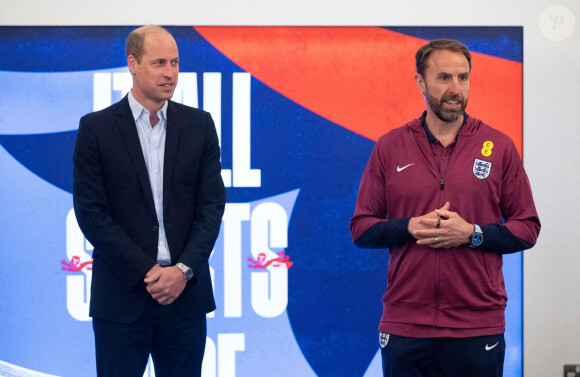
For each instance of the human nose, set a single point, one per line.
(168, 70)
(454, 85)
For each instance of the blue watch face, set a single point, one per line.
(477, 239)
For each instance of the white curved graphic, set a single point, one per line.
(9, 370)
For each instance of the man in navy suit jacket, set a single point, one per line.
(148, 195)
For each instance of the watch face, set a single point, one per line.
(477, 239)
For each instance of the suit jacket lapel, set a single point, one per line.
(130, 136)
(174, 124)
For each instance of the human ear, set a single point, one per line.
(131, 63)
(420, 83)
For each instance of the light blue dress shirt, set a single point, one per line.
(153, 145)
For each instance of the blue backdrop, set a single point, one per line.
(295, 297)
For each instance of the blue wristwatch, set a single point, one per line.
(477, 237)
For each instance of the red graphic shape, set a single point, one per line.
(75, 265)
(283, 259)
(361, 78)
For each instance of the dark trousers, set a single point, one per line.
(480, 356)
(176, 344)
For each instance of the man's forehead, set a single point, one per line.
(155, 38)
(445, 60)
(160, 43)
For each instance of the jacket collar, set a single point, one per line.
(469, 126)
(432, 137)
(128, 130)
(175, 123)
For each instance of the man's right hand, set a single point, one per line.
(415, 222)
(165, 284)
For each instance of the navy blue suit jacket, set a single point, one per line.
(114, 206)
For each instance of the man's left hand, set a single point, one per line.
(449, 230)
(165, 284)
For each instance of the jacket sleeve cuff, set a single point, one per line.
(497, 238)
(385, 234)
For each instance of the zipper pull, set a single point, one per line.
(442, 183)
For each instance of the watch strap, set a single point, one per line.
(187, 272)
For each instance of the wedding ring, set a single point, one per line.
(436, 239)
(438, 222)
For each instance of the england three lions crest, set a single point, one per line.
(481, 169)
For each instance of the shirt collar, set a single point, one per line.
(430, 137)
(137, 109)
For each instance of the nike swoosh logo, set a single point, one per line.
(487, 348)
(403, 168)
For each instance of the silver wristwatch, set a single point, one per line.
(187, 272)
(476, 238)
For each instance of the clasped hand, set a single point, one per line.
(165, 284)
(441, 228)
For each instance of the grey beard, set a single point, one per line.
(445, 115)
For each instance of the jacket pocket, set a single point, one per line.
(411, 276)
(468, 279)
(486, 266)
